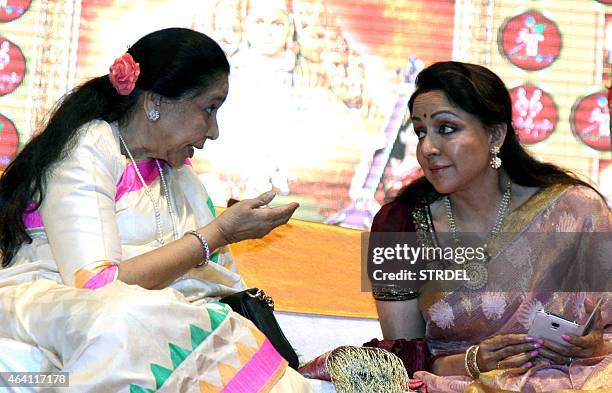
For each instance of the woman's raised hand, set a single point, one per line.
(248, 220)
(507, 351)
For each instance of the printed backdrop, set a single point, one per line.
(318, 88)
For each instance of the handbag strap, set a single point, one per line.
(261, 295)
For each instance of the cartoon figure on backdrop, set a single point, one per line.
(529, 38)
(600, 117)
(228, 20)
(5, 58)
(531, 41)
(527, 110)
(10, 74)
(364, 206)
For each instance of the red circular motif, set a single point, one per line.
(9, 141)
(13, 9)
(12, 66)
(534, 113)
(590, 120)
(530, 41)
(609, 2)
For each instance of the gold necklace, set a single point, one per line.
(476, 271)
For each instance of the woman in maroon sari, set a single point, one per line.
(478, 179)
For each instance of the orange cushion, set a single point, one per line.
(308, 268)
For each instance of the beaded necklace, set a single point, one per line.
(156, 208)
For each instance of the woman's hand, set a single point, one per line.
(503, 351)
(591, 345)
(507, 351)
(587, 346)
(247, 220)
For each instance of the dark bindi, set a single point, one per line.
(425, 115)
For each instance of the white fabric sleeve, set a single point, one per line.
(78, 211)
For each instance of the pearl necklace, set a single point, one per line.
(476, 271)
(156, 208)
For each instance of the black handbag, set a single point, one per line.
(256, 306)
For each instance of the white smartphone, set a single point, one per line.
(551, 327)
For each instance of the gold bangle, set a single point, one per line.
(471, 361)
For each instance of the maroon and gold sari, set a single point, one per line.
(530, 258)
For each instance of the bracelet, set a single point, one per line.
(393, 293)
(471, 362)
(205, 247)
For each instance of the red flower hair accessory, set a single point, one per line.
(123, 74)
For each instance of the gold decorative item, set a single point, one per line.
(366, 370)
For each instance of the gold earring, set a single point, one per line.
(495, 160)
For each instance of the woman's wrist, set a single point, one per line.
(214, 235)
(221, 234)
(204, 241)
(449, 365)
(205, 247)
(434, 363)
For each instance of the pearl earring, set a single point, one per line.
(495, 160)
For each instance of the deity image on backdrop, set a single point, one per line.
(299, 89)
(228, 25)
(313, 31)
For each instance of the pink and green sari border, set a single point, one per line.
(260, 374)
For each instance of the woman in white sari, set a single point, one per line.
(103, 206)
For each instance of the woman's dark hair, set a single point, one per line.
(478, 91)
(175, 63)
